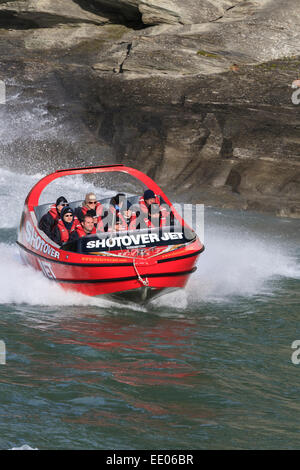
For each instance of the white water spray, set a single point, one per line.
(237, 262)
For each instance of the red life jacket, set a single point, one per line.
(163, 218)
(82, 233)
(64, 233)
(132, 223)
(53, 212)
(98, 218)
(162, 222)
(143, 205)
(98, 209)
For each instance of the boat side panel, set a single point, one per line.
(74, 271)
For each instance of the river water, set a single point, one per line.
(209, 367)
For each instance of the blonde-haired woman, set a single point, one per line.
(93, 207)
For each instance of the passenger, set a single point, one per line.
(151, 213)
(49, 220)
(119, 213)
(87, 227)
(154, 218)
(148, 199)
(65, 226)
(92, 207)
(119, 225)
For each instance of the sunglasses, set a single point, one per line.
(68, 215)
(92, 202)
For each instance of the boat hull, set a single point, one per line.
(113, 275)
(140, 273)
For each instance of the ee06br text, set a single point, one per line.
(175, 459)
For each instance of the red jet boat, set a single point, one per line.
(137, 264)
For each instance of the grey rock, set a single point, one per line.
(154, 12)
(45, 13)
(201, 101)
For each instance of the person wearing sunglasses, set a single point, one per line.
(50, 219)
(91, 206)
(65, 226)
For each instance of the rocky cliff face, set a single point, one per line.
(196, 93)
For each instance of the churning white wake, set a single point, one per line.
(236, 262)
(240, 266)
(22, 284)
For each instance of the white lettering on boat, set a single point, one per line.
(133, 240)
(47, 269)
(38, 243)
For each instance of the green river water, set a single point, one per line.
(209, 367)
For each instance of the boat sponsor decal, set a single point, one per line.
(33, 238)
(145, 252)
(133, 252)
(126, 241)
(105, 260)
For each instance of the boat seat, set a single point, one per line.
(42, 210)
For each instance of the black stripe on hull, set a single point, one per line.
(124, 279)
(175, 258)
